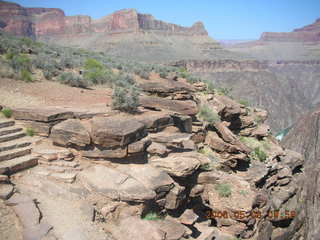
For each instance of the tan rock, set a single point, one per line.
(114, 132)
(70, 133)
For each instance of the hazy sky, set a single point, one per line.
(224, 19)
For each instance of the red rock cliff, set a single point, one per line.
(309, 33)
(41, 22)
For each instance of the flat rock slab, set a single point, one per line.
(151, 177)
(47, 114)
(69, 133)
(29, 216)
(155, 121)
(114, 184)
(183, 107)
(114, 132)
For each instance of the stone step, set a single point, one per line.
(15, 165)
(14, 153)
(6, 123)
(9, 130)
(19, 143)
(12, 136)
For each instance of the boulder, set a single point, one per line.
(157, 149)
(70, 133)
(41, 128)
(139, 146)
(114, 184)
(181, 164)
(155, 122)
(175, 197)
(183, 122)
(187, 107)
(112, 132)
(171, 140)
(152, 178)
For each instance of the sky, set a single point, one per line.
(223, 19)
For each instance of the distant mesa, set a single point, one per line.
(309, 33)
(38, 22)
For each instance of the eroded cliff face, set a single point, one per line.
(287, 89)
(309, 33)
(304, 138)
(38, 22)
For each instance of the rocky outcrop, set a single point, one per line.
(304, 138)
(309, 33)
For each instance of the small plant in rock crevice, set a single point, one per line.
(258, 154)
(30, 132)
(207, 114)
(152, 216)
(223, 189)
(7, 112)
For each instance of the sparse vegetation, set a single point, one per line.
(208, 115)
(152, 216)
(72, 80)
(206, 167)
(26, 75)
(7, 112)
(258, 154)
(125, 96)
(244, 102)
(210, 87)
(30, 132)
(243, 192)
(223, 189)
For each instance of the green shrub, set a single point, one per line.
(206, 167)
(207, 114)
(93, 64)
(258, 154)
(244, 102)
(192, 79)
(7, 112)
(152, 216)
(210, 87)
(224, 91)
(223, 189)
(125, 98)
(163, 74)
(20, 62)
(26, 75)
(30, 132)
(72, 80)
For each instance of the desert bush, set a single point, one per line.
(192, 79)
(30, 132)
(223, 189)
(163, 74)
(207, 114)
(244, 102)
(258, 154)
(72, 80)
(20, 62)
(26, 75)
(7, 112)
(126, 98)
(143, 73)
(224, 91)
(206, 167)
(210, 86)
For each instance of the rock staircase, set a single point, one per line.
(15, 148)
